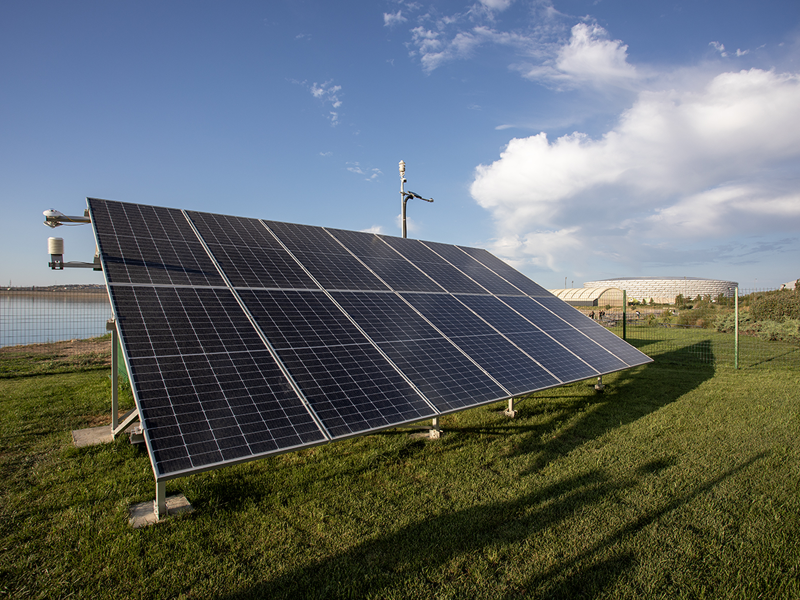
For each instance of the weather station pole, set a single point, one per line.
(404, 196)
(434, 432)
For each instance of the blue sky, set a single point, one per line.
(577, 140)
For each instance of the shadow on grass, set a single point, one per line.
(409, 557)
(579, 419)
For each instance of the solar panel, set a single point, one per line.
(246, 337)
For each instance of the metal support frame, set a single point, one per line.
(599, 387)
(117, 425)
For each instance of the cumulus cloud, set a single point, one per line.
(589, 57)
(688, 165)
(374, 229)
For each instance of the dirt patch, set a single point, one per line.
(97, 345)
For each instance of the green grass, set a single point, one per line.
(675, 483)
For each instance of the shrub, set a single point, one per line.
(776, 307)
(698, 317)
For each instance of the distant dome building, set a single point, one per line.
(664, 290)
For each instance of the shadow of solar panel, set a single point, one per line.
(508, 273)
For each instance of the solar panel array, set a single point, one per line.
(246, 337)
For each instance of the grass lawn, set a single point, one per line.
(677, 482)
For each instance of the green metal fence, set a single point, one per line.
(708, 331)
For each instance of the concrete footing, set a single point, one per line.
(92, 436)
(144, 514)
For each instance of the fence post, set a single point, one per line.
(624, 313)
(736, 329)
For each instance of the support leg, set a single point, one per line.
(599, 387)
(114, 374)
(510, 412)
(160, 503)
(435, 433)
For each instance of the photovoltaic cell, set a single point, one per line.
(445, 274)
(349, 384)
(554, 357)
(301, 340)
(508, 273)
(473, 269)
(569, 337)
(392, 268)
(248, 254)
(209, 391)
(330, 264)
(151, 245)
(431, 362)
(595, 331)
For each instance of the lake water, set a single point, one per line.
(52, 317)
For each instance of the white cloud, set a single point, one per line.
(588, 57)
(371, 174)
(498, 5)
(327, 93)
(679, 165)
(374, 229)
(391, 19)
(718, 47)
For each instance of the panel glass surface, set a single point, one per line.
(353, 389)
(248, 254)
(507, 272)
(448, 379)
(330, 263)
(150, 245)
(566, 334)
(506, 363)
(449, 315)
(471, 267)
(442, 272)
(596, 331)
(349, 384)
(548, 352)
(392, 268)
(208, 390)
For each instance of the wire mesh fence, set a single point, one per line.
(703, 330)
(63, 328)
(54, 329)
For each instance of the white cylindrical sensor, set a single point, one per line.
(55, 245)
